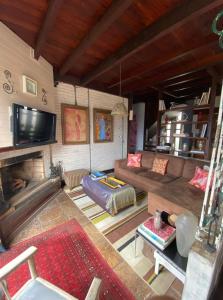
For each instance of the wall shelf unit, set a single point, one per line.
(186, 129)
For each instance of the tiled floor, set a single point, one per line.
(62, 209)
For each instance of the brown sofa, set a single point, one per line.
(170, 192)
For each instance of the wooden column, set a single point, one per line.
(211, 119)
(159, 116)
(130, 106)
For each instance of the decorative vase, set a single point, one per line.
(186, 226)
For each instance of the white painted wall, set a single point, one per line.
(102, 155)
(139, 111)
(15, 56)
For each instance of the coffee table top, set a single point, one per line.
(170, 253)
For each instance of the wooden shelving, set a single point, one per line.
(190, 152)
(196, 126)
(188, 107)
(184, 137)
(184, 122)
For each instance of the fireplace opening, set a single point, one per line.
(21, 174)
(24, 190)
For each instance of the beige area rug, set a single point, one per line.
(141, 260)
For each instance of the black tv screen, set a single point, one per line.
(32, 127)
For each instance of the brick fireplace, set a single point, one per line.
(24, 189)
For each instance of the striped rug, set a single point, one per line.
(120, 231)
(102, 219)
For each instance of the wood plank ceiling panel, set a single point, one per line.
(135, 19)
(187, 47)
(24, 17)
(74, 22)
(186, 42)
(187, 65)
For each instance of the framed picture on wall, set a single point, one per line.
(75, 124)
(103, 126)
(29, 86)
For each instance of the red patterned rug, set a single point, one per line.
(67, 258)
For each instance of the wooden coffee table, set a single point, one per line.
(169, 258)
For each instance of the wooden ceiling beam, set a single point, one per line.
(170, 57)
(183, 82)
(48, 22)
(115, 10)
(195, 65)
(190, 85)
(189, 75)
(214, 73)
(158, 89)
(199, 89)
(175, 18)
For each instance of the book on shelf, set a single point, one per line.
(203, 131)
(180, 135)
(205, 97)
(160, 238)
(194, 151)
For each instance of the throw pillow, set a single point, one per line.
(160, 165)
(134, 160)
(200, 179)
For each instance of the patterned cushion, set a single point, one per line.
(200, 179)
(134, 160)
(160, 166)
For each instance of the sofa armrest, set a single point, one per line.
(120, 163)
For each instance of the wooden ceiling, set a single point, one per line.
(162, 45)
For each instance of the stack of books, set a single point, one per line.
(97, 175)
(160, 238)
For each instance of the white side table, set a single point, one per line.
(163, 260)
(169, 258)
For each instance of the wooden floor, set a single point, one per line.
(62, 209)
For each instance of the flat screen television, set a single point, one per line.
(32, 127)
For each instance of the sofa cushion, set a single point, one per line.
(175, 164)
(200, 179)
(134, 160)
(157, 177)
(190, 167)
(147, 159)
(160, 165)
(182, 194)
(141, 182)
(135, 170)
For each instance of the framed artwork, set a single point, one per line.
(103, 126)
(75, 124)
(29, 86)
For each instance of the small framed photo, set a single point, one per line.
(29, 86)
